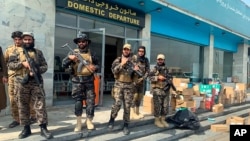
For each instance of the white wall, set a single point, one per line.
(37, 16)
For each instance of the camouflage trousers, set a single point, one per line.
(31, 93)
(138, 95)
(14, 100)
(84, 91)
(123, 94)
(161, 102)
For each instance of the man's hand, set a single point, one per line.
(5, 79)
(136, 68)
(162, 78)
(73, 58)
(124, 60)
(26, 64)
(92, 67)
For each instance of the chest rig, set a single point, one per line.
(159, 70)
(84, 71)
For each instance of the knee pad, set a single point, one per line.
(78, 105)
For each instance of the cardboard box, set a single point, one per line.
(247, 121)
(147, 99)
(148, 105)
(229, 91)
(218, 108)
(240, 86)
(179, 81)
(196, 90)
(188, 91)
(202, 105)
(219, 127)
(189, 104)
(148, 109)
(235, 120)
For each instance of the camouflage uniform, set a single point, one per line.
(29, 92)
(143, 64)
(123, 90)
(83, 82)
(160, 97)
(10, 51)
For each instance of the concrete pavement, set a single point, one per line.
(61, 122)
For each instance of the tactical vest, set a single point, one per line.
(159, 84)
(123, 75)
(85, 71)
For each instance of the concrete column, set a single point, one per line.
(240, 59)
(146, 34)
(209, 58)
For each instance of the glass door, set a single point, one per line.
(135, 43)
(97, 47)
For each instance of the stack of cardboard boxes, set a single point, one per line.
(201, 96)
(234, 120)
(184, 88)
(234, 94)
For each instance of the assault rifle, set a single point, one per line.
(130, 66)
(35, 71)
(82, 63)
(168, 80)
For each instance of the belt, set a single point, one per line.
(85, 78)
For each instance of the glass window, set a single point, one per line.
(62, 36)
(131, 33)
(65, 19)
(86, 23)
(110, 28)
(177, 54)
(227, 66)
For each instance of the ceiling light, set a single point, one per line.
(141, 3)
(158, 9)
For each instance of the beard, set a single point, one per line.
(29, 45)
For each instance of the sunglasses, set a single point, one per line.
(82, 41)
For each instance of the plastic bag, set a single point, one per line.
(185, 119)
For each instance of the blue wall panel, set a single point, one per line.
(232, 14)
(179, 30)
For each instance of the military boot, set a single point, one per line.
(137, 111)
(125, 129)
(111, 123)
(133, 115)
(158, 122)
(25, 132)
(45, 132)
(163, 121)
(89, 123)
(78, 127)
